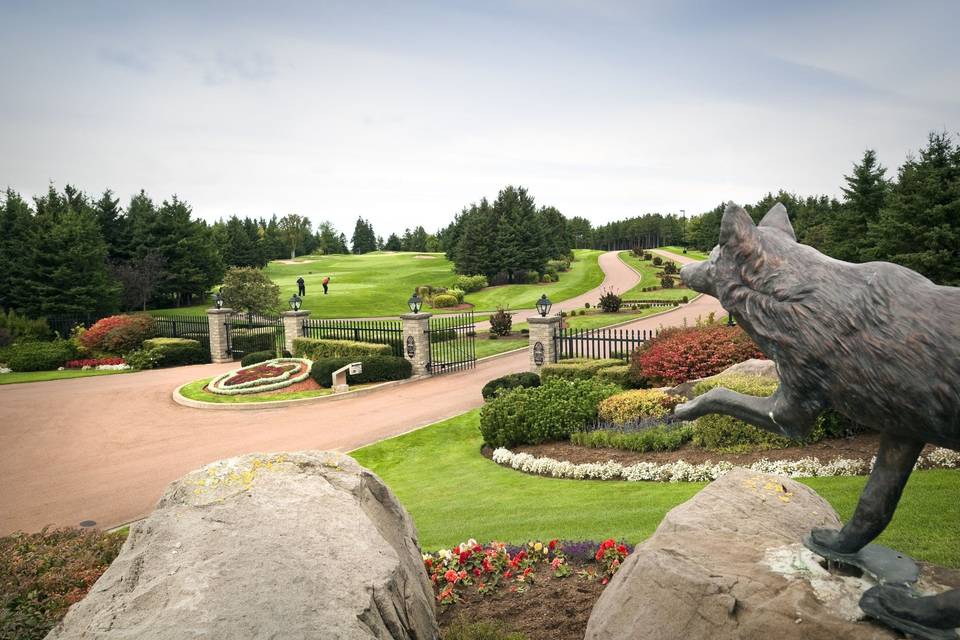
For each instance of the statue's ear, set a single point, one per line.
(737, 228)
(777, 218)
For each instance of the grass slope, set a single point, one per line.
(648, 278)
(691, 253)
(453, 494)
(378, 284)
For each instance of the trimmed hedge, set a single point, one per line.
(470, 283)
(257, 357)
(526, 379)
(176, 352)
(250, 340)
(619, 374)
(317, 349)
(577, 368)
(639, 404)
(38, 356)
(546, 413)
(375, 369)
(444, 300)
(655, 439)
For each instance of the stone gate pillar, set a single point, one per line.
(292, 327)
(416, 342)
(217, 319)
(542, 347)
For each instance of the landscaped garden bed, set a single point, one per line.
(271, 375)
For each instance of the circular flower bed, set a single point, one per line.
(263, 376)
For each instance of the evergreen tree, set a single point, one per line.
(863, 198)
(364, 239)
(294, 229)
(393, 243)
(418, 240)
(919, 225)
(17, 252)
(581, 232)
(193, 264)
(113, 225)
(342, 244)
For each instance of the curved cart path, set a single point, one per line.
(104, 448)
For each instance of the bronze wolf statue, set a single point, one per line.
(876, 342)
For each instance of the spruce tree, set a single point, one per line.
(863, 198)
(17, 252)
(393, 243)
(113, 226)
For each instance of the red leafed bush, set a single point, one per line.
(678, 355)
(118, 334)
(94, 362)
(42, 574)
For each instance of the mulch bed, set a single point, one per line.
(862, 446)
(307, 385)
(551, 608)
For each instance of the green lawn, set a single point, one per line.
(649, 278)
(691, 253)
(485, 347)
(453, 494)
(585, 274)
(379, 284)
(42, 376)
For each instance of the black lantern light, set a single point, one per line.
(295, 301)
(218, 300)
(730, 320)
(543, 305)
(414, 302)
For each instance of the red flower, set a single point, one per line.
(553, 544)
(464, 556)
(622, 549)
(450, 575)
(527, 571)
(477, 572)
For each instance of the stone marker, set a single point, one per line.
(289, 545)
(728, 563)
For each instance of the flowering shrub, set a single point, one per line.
(118, 334)
(681, 354)
(94, 362)
(267, 376)
(610, 302)
(500, 322)
(486, 567)
(681, 471)
(42, 574)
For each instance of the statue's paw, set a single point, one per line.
(834, 540)
(685, 411)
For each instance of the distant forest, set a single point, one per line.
(66, 252)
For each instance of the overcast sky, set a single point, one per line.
(404, 112)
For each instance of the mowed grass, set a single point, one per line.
(379, 284)
(195, 391)
(648, 278)
(453, 493)
(585, 274)
(691, 253)
(43, 376)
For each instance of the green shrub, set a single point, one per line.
(177, 352)
(610, 302)
(470, 283)
(619, 375)
(666, 282)
(38, 356)
(315, 349)
(443, 300)
(376, 368)
(249, 340)
(118, 334)
(638, 404)
(558, 265)
(724, 433)
(577, 368)
(546, 413)
(655, 439)
(20, 328)
(42, 574)
(458, 294)
(501, 322)
(442, 335)
(256, 357)
(531, 277)
(143, 358)
(526, 379)
(657, 261)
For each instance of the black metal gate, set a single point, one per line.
(251, 333)
(452, 345)
(379, 331)
(599, 343)
(193, 327)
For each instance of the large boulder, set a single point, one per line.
(752, 367)
(291, 545)
(728, 563)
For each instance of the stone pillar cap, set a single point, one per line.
(542, 320)
(416, 316)
(214, 310)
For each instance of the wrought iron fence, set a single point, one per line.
(247, 333)
(192, 327)
(600, 343)
(389, 332)
(452, 343)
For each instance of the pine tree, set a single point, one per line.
(192, 262)
(919, 225)
(113, 225)
(393, 243)
(17, 249)
(364, 239)
(863, 198)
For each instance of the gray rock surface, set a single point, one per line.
(751, 367)
(291, 545)
(728, 564)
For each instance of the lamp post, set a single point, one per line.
(414, 302)
(295, 302)
(730, 320)
(218, 300)
(543, 306)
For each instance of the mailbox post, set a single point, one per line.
(340, 376)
